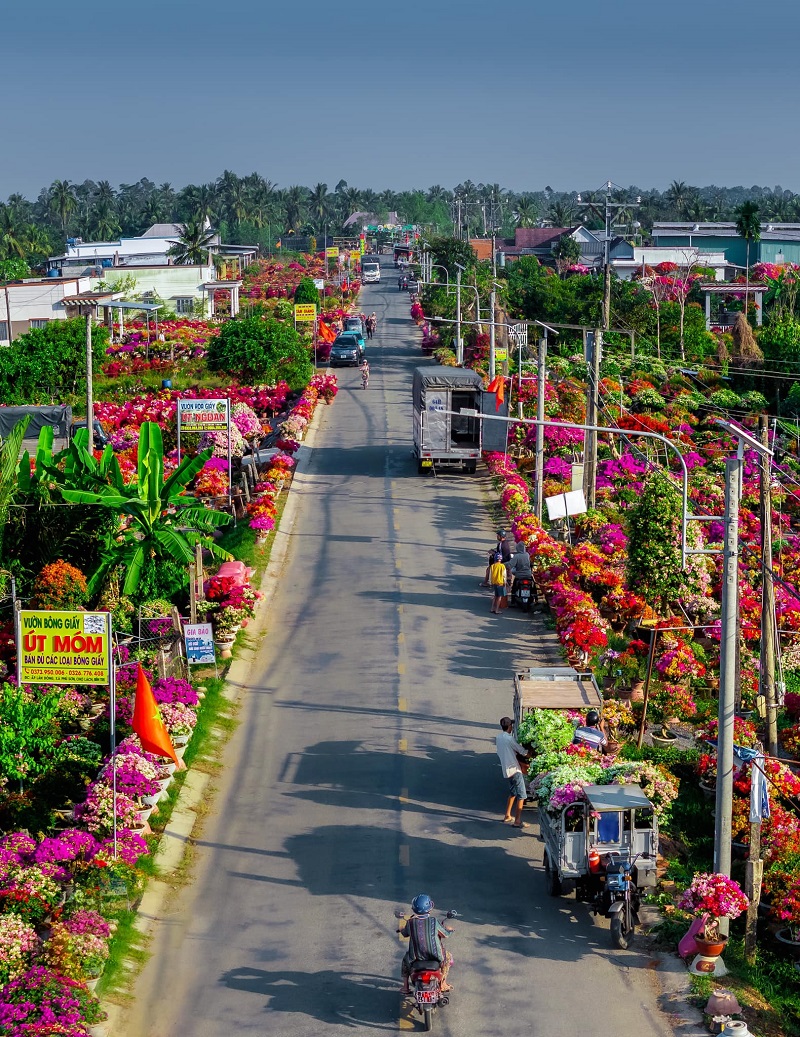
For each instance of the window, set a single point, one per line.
(38, 324)
(184, 305)
(3, 330)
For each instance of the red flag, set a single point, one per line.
(147, 722)
(498, 387)
(326, 332)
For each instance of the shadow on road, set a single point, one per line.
(357, 999)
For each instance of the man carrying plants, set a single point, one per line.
(509, 750)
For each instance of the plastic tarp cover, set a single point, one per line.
(59, 417)
(494, 434)
(439, 378)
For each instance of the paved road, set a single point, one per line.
(364, 772)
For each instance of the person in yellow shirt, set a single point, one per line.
(497, 578)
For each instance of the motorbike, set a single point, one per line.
(523, 592)
(425, 981)
(619, 898)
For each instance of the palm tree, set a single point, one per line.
(63, 201)
(696, 208)
(525, 212)
(194, 242)
(294, 200)
(748, 226)
(14, 235)
(561, 213)
(318, 201)
(677, 194)
(104, 222)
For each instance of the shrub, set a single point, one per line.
(306, 292)
(60, 586)
(649, 399)
(754, 401)
(257, 350)
(725, 398)
(49, 361)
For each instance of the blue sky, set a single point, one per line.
(526, 93)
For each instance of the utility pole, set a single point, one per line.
(87, 312)
(730, 611)
(491, 335)
(459, 345)
(593, 350)
(769, 639)
(607, 263)
(541, 385)
(753, 873)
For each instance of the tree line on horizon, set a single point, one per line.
(253, 210)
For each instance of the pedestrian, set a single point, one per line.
(504, 548)
(508, 749)
(498, 574)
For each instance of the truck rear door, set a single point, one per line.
(436, 424)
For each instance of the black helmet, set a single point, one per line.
(592, 718)
(501, 532)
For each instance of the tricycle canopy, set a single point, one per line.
(616, 797)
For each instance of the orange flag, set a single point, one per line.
(147, 722)
(498, 387)
(326, 332)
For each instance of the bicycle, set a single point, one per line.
(365, 375)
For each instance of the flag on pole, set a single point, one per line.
(147, 722)
(326, 332)
(498, 387)
(278, 243)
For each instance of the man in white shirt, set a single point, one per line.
(507, 750)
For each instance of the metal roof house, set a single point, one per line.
(779, 243)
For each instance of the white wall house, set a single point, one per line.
(180, 287)
(34, 301)
(651, 255)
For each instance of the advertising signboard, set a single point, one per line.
(63, 647)
(203, 415)
(199, 639)
(305, 311)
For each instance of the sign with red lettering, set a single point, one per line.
(202, 416)
(63, 647)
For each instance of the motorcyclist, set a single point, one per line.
(592, 733)
(425, 934)
(520, 564)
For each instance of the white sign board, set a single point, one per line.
(565, 504)
(199, 638)
(319, 283)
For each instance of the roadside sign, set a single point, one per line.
(203, 415)
(63, 647)
(199, 639)
(501, 355)
(319, 283)
(332, 251)
(305, 311)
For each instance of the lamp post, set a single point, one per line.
(608, 207)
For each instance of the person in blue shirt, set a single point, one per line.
(591, 733)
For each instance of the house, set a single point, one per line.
(627, 259)
(149, 249)
(779, 243)
(33, 301)
(540, 242)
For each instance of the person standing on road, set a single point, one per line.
(498, 575)
(508, 749)
(504, 548)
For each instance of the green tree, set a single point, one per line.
(49, 361)
(192, 246)
(306, 291)
(449, 251)
(13, 268)
(63, 201)
(654, 532)
(29, 731)
(158, 524)
(525, 212)
(260, 350)
(566, 252)
(748, 226)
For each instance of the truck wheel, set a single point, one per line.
(551, 879)
(471, 468)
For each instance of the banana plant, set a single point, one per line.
(156, 519)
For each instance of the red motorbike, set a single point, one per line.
(425, 982)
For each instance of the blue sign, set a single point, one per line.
(199, 638)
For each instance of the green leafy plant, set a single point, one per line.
(29, 731)
(654, 555)
(160, 527)
(259, 350)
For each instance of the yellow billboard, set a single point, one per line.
(305, 311)
(332, 252)
(63, 647)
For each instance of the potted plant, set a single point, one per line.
(670, 702)
(713, 896)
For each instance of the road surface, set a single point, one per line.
(363, 772)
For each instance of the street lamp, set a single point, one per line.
(492, 364)
(608, 206)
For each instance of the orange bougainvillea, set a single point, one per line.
(60, 586)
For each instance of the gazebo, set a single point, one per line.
(722, 288)
(210, 287)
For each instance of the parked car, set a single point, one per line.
(359, 335)
(354, 324)
(346, 350)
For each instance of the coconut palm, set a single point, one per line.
(318, 202)
(63, 201)
(525, 212)
(696, 208)
(14, 234)
(748, 226)
(294, 202)
(677, 194)
(103, 222)
(192, 247)
(561, 213)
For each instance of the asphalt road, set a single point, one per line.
(364, 772)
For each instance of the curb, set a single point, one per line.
(178, 832)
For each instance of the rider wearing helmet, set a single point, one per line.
(591, 733)
(425, 934)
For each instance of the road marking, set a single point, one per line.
(402, 705)
(401, 638)
(400, 609)
(405, 855)
(397, 564)
(401, 668)
(396, 526)
(403, 796)
(402, 745)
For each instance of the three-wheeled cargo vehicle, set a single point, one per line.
(444, 437)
